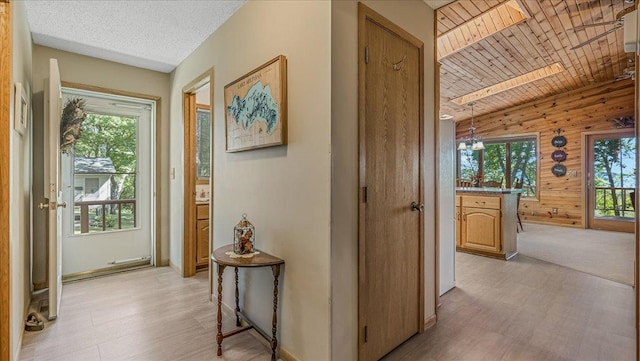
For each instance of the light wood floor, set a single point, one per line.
(145, 315)
(522, 309)
(526, 309)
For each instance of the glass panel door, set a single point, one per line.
(611, 178)
(109, 223)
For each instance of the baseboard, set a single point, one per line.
(286, 355)
(107, 271)
(175, 268)
(430, 322)
(283, 354)
(25, 312)
(163, 263)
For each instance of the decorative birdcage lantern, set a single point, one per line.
(244, 236)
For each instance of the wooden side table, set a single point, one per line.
(220, 257)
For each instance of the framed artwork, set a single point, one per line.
(21, 110)
(256, 107)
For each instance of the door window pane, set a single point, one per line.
(203, 144)
(105, 163)
(614, 177)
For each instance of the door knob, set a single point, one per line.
(417, 207)
(43, 205)
(62, 205)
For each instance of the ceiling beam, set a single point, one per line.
(481, 27)
(523, 79)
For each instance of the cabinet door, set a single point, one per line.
(202, 242)
(481, 229)
(458, 226)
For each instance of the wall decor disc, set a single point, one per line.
(559, 170)
(559, 141)
(558, 155)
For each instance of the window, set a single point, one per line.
(503, 160)
(91, 185)
(203, 143)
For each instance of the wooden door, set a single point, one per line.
(390, 274)
(481, 229)
(611, 170)
(53, 186)
(6, 88)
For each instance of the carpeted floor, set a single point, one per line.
(604, 254)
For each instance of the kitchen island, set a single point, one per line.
(486, 221)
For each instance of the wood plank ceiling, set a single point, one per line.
(543, 39)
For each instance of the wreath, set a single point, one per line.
(73, 115)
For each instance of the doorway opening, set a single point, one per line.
(108, 180)
(198, 171)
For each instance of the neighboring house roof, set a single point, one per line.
(84, 165)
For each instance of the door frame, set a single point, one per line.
(637, 226)
(188, 233)
(5, 126)
(156, 173)
(365, 13)
(585, 167)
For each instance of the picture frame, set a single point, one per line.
(255, 107)
(21, 110)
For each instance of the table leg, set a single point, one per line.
(237, 301)
(274, 323)
(220, 337)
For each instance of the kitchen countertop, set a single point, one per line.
(481, 190)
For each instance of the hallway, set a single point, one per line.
(527, 309)
(146, 315)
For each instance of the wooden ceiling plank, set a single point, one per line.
(543, 107)
(541, 28)
(500, 15)
(592, 49)
(556, 20)
(513, 50)
(444, 23)
(510, 84)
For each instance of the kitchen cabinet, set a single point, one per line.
(202, 235)
(487, 221)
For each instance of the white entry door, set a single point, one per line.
(52, 185)
(109, 185)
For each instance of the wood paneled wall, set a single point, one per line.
(587, 110)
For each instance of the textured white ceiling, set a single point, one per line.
(436, 4)
(155, 35)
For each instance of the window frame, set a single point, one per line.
(507, 139)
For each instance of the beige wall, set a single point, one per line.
(96, 72)
(20, 180)
(284, 190)
(417, 18)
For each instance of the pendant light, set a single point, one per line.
(473, 141)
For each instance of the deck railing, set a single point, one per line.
(114, 206)
(604, 202)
